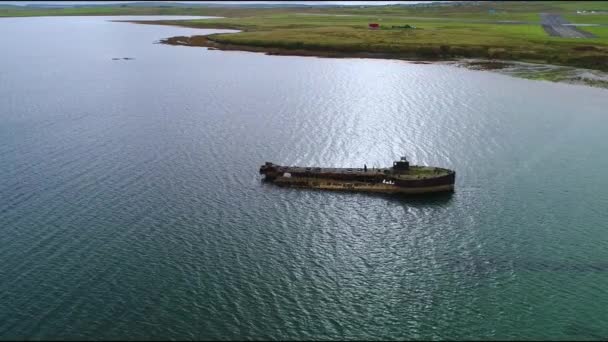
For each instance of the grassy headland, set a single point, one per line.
(471, 30)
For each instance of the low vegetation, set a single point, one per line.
(491, 30)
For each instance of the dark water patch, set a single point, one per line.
(585, 332)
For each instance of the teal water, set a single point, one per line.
(131, 206)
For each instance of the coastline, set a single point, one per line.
(541, 72)
(208, 42)
(532, 70)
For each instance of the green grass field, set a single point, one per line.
(442, 32)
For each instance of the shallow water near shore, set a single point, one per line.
(555, 73)
(131, 204)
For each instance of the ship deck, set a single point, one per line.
(414, 172)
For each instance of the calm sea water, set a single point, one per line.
(131, 206)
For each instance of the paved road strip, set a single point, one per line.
(555, 25)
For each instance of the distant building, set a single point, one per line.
(373, 26)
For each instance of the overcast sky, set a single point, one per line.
(230, 2)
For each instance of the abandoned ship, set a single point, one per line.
(401, 178)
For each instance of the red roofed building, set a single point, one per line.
(373, 26)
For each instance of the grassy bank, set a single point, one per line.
(432, 38)
(442, 32)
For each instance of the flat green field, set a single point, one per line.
(476, 30)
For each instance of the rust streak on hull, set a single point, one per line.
(401, 178)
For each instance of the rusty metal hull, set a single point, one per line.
(417, 180)
(338, 185)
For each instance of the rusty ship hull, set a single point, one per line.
(399, 179)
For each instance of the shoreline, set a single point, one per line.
(205, 41)
(532, 71)
(521, 69)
